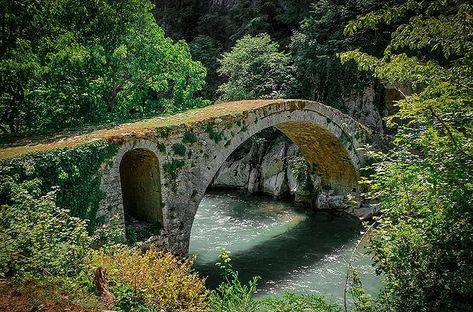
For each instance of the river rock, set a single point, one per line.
(301, 183)
(233, 174)
(328, 199)
(273, 170)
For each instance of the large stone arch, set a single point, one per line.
(326, 140)
(324, 143)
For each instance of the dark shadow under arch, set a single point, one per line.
(141, 186)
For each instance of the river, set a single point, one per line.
(289, 248)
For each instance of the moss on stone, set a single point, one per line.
(213, 134)
(163, 132)
(161, 148)
(244, 128)
(173, 167)
(179, 149)
(75, 173)
(189, 137)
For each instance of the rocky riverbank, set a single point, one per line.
(271, 164)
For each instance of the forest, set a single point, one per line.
(402, 68)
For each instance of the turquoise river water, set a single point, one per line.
(288, 247)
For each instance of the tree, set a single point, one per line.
(255, 68)
(69, 63)
(207, 50)
(319, 73)
(424, 242)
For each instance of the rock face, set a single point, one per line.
(276, 167)
(264, 168)
(361, 106)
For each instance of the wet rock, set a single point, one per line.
(367, 210)
(328, 199)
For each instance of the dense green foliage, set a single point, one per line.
(73, 173)
(319, 73)
(310, 31)
(255, 68)
(424, 242)
(36, 236)
(227, 21)
(48, 210)
(207, 50)
(217, 25)
(68, 63)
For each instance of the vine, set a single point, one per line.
(73, 172)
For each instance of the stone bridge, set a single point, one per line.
(164, 165)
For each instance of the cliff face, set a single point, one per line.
(276, 167)
(219, 4)
(362, 107)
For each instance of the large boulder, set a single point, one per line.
(233, 174)
(303, 184)
(273, 170)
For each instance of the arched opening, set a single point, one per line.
(269, 236)
(141, 192)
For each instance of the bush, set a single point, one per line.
(291, 302)
(36, 236)
(153, 280)
(232, 295)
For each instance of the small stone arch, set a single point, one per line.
(141, 185)
(112, 207)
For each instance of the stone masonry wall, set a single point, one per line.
(189, 156)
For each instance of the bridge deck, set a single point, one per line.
(138, 128)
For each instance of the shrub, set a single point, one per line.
(153, 280)
(291, 302)
(232, 295)
(36, 236)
